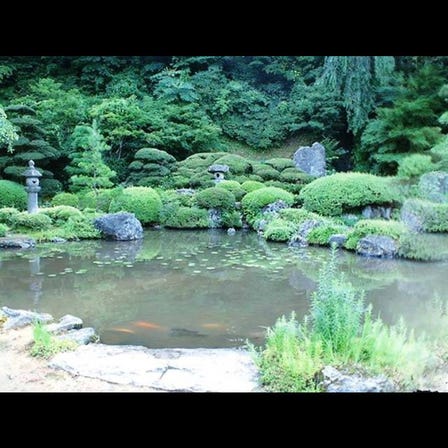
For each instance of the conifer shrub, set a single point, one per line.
(345, 192)
(12, 194)
(144, 202)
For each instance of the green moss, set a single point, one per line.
(155, 156)
(279, 230)
(12, 195)
(234, 187)
(144, 202)
(252, 185)
(34, 221)
(236, 163)
(365, 227)
(187, 218)
(345, 192)
(281, 163)
(8, 214)
(65, 199)
(215, 197)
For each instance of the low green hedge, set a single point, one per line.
(187, 218)
(34, 221)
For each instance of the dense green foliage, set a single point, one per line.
(320, 235)
(340, 330)
(365, 227)
(12, 195)
(144, 202)
(179, 217)
(65, 199)
(346, 192)
(279, 230)
(35, 221)
(45, 345)
(215, 197)
(100, 199)
(8, 214)
(432, 216)
(3, 229)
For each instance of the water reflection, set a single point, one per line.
(201, 288)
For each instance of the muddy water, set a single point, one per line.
(203, 288)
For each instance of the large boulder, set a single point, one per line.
(336, 381)
(377, 246)
(434, 186)
(22, 318)
(311, 159)
(67, 322)
(83, 336)
(120, 226)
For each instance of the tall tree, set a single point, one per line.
(87, 169)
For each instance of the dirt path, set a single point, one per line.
(20, 372)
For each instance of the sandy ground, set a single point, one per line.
(20, 372)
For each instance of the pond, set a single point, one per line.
(203, 288)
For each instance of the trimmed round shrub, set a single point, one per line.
(215, 197)
(236, 163)
(268, 173)
(155, 156)
(254, 201)
(12, 194)
(365, 227)
(252, 185)
(60, 213)
(80, 227)
(65, 199)
(34, 221)
(296, 176)
(234, 187)
(8, 214)
(136, 165)
(345, 192)
(100, 199)
(187, 218)
(415, 165)
(281, 163)
(201, 160)
(3, 229)
(297, 215)
(279, 230)
(144, 202)
(201, 180)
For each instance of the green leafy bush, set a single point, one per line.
(50, 187)
(231, 218)
(100, 199)
(279, 229)
(155, 156)
(201, 160)
(415, 165)
(297, 215)
(281, 163)
(234, 187)
(320, 235)
(267, 173)
(186, 218)
(34, 221)
(61, 213)
(144, 202)
(65, 199)
(201, 180)
(345, 192)
(433, 186)
(236, 163)
(80, 227)
(422, 247)
(432, 216)
(215, 197)
(296, 176)
(252, 185)
(254, 201)
(365, 227)
(12, 195)
(3, 229)
(8, 214)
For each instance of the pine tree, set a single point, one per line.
(87, 168)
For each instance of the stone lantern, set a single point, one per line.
(32, 186)
(218, 171)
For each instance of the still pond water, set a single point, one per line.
(203, 288)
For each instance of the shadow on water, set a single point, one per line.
(201, 288)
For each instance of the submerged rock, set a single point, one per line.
(311, 159)
(82, 336)
(377, 246)
(67, 322)
(119, 226)
(335, 381)
(17, 243)
(22, 318)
